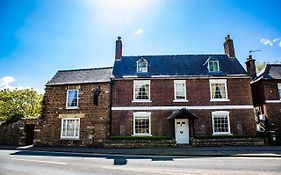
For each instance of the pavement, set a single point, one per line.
(230, 151)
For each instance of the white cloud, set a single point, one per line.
(272, 42)
(276, 39)
(265, 42)
(139, 31)
(8, 82)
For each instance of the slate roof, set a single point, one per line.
(81, 76)
(177, 65)
(270, 72)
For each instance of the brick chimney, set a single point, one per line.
(118, 48)
(229, 47)
(251, 67)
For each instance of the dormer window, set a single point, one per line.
(213, 66)
(142, 65)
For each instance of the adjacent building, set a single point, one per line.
(76, 108)
(181, 96)
(266, 89)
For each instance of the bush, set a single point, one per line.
(140, 138)
(225, 136)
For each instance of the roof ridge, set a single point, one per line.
(274, 64)
(216, 54)
(99, 68)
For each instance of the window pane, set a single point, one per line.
(220, 123)
(70, 128)
(72, 100)
(142, 66)
(180, 91)
(218, 91)
(141, 125)
(213, 66)
(279, 90)
(142, 91)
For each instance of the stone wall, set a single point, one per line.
(94, 119)
(228, 142)
(15, 133)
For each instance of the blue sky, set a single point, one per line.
(39, 37)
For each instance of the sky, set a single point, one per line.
(38, 38)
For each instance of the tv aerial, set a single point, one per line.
(251, 51)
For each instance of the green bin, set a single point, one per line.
(272, 137)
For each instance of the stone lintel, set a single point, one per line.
(71, 115)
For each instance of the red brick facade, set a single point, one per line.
(268, 103)
(198, 96)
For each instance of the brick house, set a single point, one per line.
(76, 108)
(181, 96)
(266, 89)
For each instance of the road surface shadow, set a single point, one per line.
(117, 159)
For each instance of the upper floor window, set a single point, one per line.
(279, 90)
(142, 90)
(220, 120)
(142, 65)
(218, 90)
(179, 90)
(72, 98)
(213, 65)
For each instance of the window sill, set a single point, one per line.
(221, 134)
(142, 101)
(136, 135)
(218, 100)
(273, 101)
(72, 107)
(72, 138)
(178, 101)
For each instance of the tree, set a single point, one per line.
(17, 104)
(260, 66)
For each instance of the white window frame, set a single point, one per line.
(175, 94)
(144, 115)
(72, 107)
(217, 63)
(279, 90)
(141, 82)
(220, 81)
(220, 113)
(64, 136)
(146, 63)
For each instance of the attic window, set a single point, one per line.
(213, 66)
(142, 65)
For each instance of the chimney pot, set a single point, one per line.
(229, 47)
(118, 48)
(251, 67)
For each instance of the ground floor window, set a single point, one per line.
(70, 128)
(142, 123)
(221, 123)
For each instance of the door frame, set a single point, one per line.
(187, 130)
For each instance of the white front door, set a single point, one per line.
(182, 131)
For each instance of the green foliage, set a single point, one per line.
(140, 138)
(260, 66)
(17, 104)
(225, 136)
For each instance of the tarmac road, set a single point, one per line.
(29, 162)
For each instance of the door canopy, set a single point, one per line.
(182, 114)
